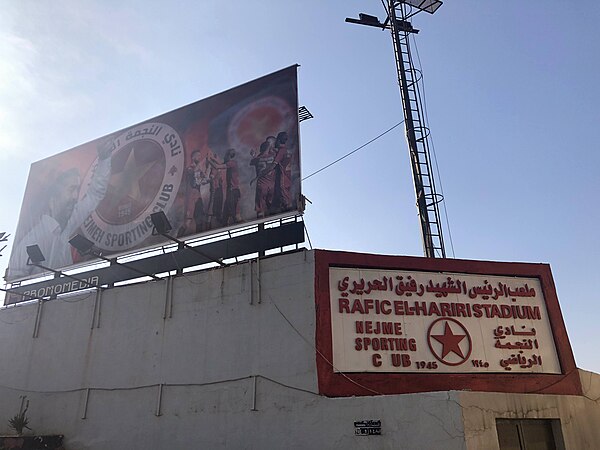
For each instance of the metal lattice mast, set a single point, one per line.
(417, 133)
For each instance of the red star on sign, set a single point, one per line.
(449, 341)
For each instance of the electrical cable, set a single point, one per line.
(307, 235)
(153, 385)
(145, 386)
(318, 352)
(385, 7)
(353, 151)
(437, 169)
(288, 386)
(313, 347)
(17, 321)
(60, 299)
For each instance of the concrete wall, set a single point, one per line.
(234, 352)
(223, 334)
(579, 415)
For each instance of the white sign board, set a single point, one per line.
(410, 321)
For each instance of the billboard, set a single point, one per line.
(227, 160)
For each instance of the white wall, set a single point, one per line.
(220, 340)
(206, 354)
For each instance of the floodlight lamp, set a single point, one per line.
(429, 6)
(35, 254)
(368, 19)
(36, 257)
(82, 244)
(160, 222)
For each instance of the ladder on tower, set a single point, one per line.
(417, 134)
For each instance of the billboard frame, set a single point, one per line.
(234, 99)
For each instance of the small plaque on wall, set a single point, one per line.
(367, 428)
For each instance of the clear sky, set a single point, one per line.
(511, 89)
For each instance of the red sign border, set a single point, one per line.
(333, 384)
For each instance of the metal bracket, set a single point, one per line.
(254, 393)
(85, 404)
(97, 309)
(158, 412)
(38, 318)
(168, 312)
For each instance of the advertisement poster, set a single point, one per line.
(224, 161)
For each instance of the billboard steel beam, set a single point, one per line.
(267, 239)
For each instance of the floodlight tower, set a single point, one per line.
(417, 133)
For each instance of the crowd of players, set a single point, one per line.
(216, 185)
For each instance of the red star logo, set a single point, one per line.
(455, 348)
(136, 176)
(449, 341)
